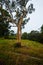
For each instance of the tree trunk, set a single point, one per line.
(19, 32)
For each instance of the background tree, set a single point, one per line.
(42, 29)
(4, 24)
(33, 35)
(25, 35)
(41, 35)
(19, 7)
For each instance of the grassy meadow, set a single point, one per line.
(31, 53)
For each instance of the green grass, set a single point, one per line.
(31, 53)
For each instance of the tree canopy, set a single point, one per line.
(19, 8)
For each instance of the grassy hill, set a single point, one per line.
(31, 53)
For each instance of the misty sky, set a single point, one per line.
(36, 18)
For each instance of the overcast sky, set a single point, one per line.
(36, 18)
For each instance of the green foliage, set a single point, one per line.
(19, 7)
(4, 24)
(24, 35)
(0, 0)
(42, 29)
(4, 29)
(13, 4)
(4, 12)
(41, 38)
(34, 35)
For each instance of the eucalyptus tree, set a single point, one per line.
(20, 9)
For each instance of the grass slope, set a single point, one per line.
(31, 53)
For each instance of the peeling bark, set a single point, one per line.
(19, 32)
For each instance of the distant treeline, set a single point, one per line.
(34, 35)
